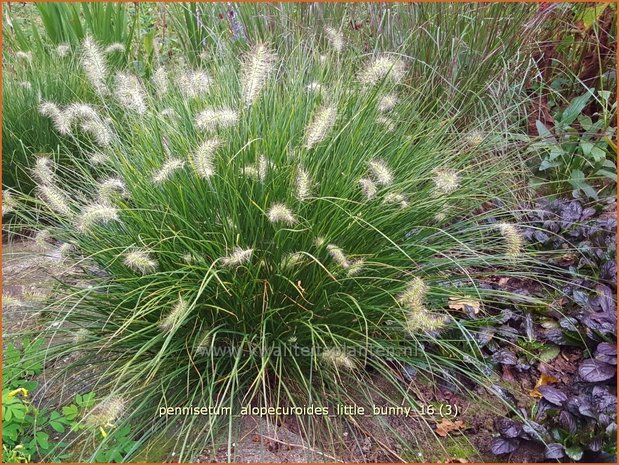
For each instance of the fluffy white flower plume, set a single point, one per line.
(394, 197)
(116, 47)
(168, 169)
(106, 413)
(203, 158)
(94, 65)
(259, 170)
(212, 119)
(100, 132)
(512, 237)
(280, 213)
(387, 123)
(176, 315)
(387, 103)
(55, 199)
(61, 122)
(63, 50)
(25, 84)
(381, 173)
(337, 358)
(160, 80)
(445, 181)
(129, 92)
(335, 38)
(257, 67)
(321, 124)
(168, 112)
(9, 204)
(98, 158)
(382, 67)
(92, 215)
(140, 261)
(303, 184)
(356, 267)
(25, 56)
(415, 294)
(237, 257)
(314, 87)
(368, 187)
(43, 170)
(110, 187)
(41, 238)
(338, 255)
(193, 83)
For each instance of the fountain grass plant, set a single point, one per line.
(272, 230)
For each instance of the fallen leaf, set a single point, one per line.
(459, 303)
(543, 380)
(447, 426)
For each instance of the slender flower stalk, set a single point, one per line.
(237, 257)
(168, 169)
(94, 65)
(212, 119)
(257, 67)
(92, 215)
(140, 261)
(381, 173)
(280, 213)
(321, 124)
(203, 158)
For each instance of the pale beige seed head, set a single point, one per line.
(257, 67)
(368, 187)
(55, 199)
(293, 260)
(356, 267)
(314, 87)
(381, 173)
(116, 47)
(204, 343)
(203, 158)
(94, 65)
(335, 39)
(422, 320)
(384, 67)
(140, 261)
(303, 184)
(238, 257)
(63, 50)
(95, 214)
(280, 213)
(24, 56)
(110, 187)
(107, 413)
(446, 181)
(321, 125)
(61, 120)
(387, 103)
(161, 82)
(337, 358)
(175, 316)
(212, 119)
(474, 138)
(513, 239)
(44, 170)
(129, 92)
(387, 123)
(415, 294)
(9, 203)
(168, 169)
(41, 239)
(99, 131)
(194, 83)
(396, 198)
(338, 255)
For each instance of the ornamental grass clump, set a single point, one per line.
(269, 245)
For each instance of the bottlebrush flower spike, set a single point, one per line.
(106, 413)
(167, 170)
(415, 294)
(109, 187)
(381, 172)
(512, 237)
(394, 197)
(41, 238)
(204, 343)
(280, 213)
(446, 181)
(94, 65)
(193, 83)
(423, 320)
(338, 255)
(25, 56)
(55, 199)
(176, 315)
(335, 38)
(387, 103)
(304, 184)
(356, 267)
(160, 80)
(237, 257)
(203, 158)
(368, 188)
(321, 124)
(129, 93)
(116, 47)
(44, 171)
(257, 67)
(92, 215)
(58, 117)
(338, 358)
(140, 261)
(9, 204)
(63, 50)
(383, 67)
(212, 119)
(100, 132)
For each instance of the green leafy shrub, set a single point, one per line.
(280, 231)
